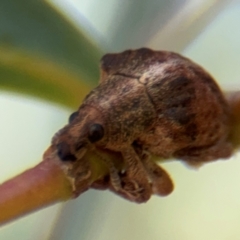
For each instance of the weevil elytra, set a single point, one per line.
(148, 103)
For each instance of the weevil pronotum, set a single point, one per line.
(148, 103)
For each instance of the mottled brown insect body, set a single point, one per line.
(148, 103)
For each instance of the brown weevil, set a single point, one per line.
(148, 103)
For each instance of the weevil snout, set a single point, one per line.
(69, 147)
(70, 152)
(82, 131)
(64, 152)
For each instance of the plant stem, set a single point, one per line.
(38, 187)
(43, 185)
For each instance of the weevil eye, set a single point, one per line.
(64, 153)
(95, 133)
(72, 116)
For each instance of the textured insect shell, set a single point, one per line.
(192, 111)
(181, 105)
(125, 108)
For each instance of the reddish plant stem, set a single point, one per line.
(38, 187)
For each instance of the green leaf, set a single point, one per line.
(24, 73)
(42, 54)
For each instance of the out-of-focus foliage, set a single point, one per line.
(42, 54)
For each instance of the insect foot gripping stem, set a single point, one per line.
(147, 104)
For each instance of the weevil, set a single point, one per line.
(148, 103)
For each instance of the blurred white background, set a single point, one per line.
(205, 203)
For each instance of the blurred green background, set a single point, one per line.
(49, 56)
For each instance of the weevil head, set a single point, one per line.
(85, 131)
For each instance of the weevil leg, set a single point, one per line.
(80, 174)
(161, 181)
(135, 183)
(114, 178)
(79, 170)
